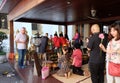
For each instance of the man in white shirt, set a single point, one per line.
(21, 40)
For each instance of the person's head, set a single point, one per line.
(77, 46)
(46, 34)
(76, 30)
(60, 35)
(66, 36)
(95, 28)
(50, 36)
(114, 31)
(23, 30)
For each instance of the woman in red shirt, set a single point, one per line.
(77, 61)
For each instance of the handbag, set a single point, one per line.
(114, 69)
(45, 72)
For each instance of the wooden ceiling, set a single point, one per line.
(67, 11)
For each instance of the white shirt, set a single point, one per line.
(21, 37)
(114, 57)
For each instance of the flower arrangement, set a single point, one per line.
(101, 36)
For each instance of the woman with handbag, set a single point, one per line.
(113, 54)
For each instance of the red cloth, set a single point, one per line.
(56, 41)
(63, 41)
(77, 58)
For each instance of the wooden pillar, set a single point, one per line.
(37, 66)
(66, 30)
(11, 54)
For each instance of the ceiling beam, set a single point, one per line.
(22, 7)
(40, 21)
(115, 18)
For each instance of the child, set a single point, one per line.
(65, 63)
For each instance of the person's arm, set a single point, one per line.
(17, 39)
(90, 45)
(118, 51)
(102, 47)
(109, 51)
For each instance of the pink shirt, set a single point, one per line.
(76, 36)
(77, 58)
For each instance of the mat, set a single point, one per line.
(74, 78)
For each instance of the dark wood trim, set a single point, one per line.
(66, 29)
(22, 7)
(37, 63)
(11, 37)
(39, 21)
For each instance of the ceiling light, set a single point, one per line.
(68, 2)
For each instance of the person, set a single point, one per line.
(85, 51)
(21, 40)
(50, 43)
(56, 43)
(77, 39)
(66, 36)
(112, 50)
(63, 40)
(43, 46)
(77, 61)
(27, 52)
(65, 63)
(96, 61)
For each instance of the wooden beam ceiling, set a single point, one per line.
(63, 11)
(23, 7)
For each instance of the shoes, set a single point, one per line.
(86, 73)
(67, 75)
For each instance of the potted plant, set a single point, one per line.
(3, 36)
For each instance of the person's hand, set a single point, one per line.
(58, 54)
(101, 45)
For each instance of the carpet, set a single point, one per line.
(72, 79)
(75, 78)
(8, 74)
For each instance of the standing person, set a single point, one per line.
(63, 40)
(43, 46)
(96, 61)
(76, 37)
(21, 40)
(50, 43)
(56, 43)
(113, 51)
(27, 52)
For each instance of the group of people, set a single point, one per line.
(70, 63)
(102, 51)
